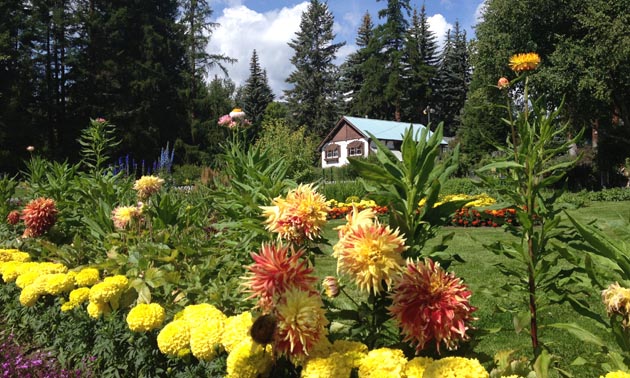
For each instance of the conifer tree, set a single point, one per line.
(352, 75)
(257, 94)
(314, 97)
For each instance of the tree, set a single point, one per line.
(313, 99)
(352, 75)
(257, 94)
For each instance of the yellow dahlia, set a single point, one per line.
(616, 374)
(431, 305)
(236, 329)
(334, 365)
(355, 219)
(370, 254)
(301, 215)
(147, 186)
(301, 323)
(123, 215)
(205, 338)
(524, 62)
(174, 337)
(383, 363)
(145, 317)
(416, 367)
(455, 367)
(39, 216)
(249, 360)
(617, 300)
(275, 269)
(86, 277)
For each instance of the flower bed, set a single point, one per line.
(339, 210)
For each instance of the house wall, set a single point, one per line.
(342, 158)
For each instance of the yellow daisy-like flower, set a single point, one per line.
(249, 360)
(455, 367)
(205, 338)
(415, 367)
(174, 337)
(333, 366)
(59, 283)
(147, 186)
(370, 254)
(30, 295)
(86, 277)
(145, 317)
(524, 62)
(236, 329)
(383, 363)
(616, 374)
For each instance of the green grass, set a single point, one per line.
(484, 279)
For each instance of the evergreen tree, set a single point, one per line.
(313, 99)
(352, 75)
(257, 94)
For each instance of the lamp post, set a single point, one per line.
(427, 111)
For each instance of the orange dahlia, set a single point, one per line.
(524, 62)
(13, 217)
(431, 304)
(39, 216)
(301, 215)
(275, 269)
(371, 254)
(301, 323)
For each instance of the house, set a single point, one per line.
(350, 138)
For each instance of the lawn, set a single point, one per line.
(495, 330)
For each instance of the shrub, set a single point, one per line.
(341, 190)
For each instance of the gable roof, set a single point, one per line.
(388, 130)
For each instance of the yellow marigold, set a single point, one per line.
(249, 360)
(14, 255)
(147, 185)
(11, 270)
(174, 337)
(95, 310)
(200, 313)
(416, 367)
(104, 292)
(77, 296)
(86, 277)
(524, 62)
(455, 367)
(383, 363)
(58, 283)
(27, 278)
(205, 338)
(616, 374)
(371, 255)
(145, 317)
(51, 268)
(355, 351)
(236, 329)
(118, 280)
(322, 348)
(29, 295)
(333, 366)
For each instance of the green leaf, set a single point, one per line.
(541, 365)
(521, 321)
(500, 165)
(580, 333)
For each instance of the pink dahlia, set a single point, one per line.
(13, 217)
(430, 304)
(275, 269)
(39, 216)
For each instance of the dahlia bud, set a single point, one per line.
(503, 83)
(13, 218)
(331, 286)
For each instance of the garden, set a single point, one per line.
(104, 274)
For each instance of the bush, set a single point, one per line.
(463, 185)
(341, 190)
(612, 194)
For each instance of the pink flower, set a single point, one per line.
(13, 217)
(39, 216)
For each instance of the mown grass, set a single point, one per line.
(495, 329)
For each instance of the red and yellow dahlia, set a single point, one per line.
(371, 254)
(430, 304)
(355, 219)
(39, 216)
(275, 269)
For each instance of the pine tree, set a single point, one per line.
(352, 75)
(257, 94)
(313, 99)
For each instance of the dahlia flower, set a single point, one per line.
(39, 216)
(145, 317)
(86, 277)
(147, 186)
(416, 367)
(383, 363)
(333, 365)
(524, 62)
(455, 367)
(301, 323)
(301, 215)
(355, 219)
(370, 254)
(174, 337)
(249, 360)
(503, 83)
(275, 269)
(617, 300)
(236, 329)
(430, 304)
(123, 215)
(13, 217)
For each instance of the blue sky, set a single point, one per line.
(268, 25)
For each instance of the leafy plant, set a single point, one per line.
(96, 142)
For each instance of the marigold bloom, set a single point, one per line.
(276, 268)
(147, 186)
(29, 295)
(201, 313)
(370, 254)
(430, 304)
(354, 351)
(58, 283)
(123, 215)
(13, 217)
(333, 365)
(205, 338)
(524, 62)
(301, 323)
(301, 215)
(119, 281)
(76, 297)
(86, 277)
(456, 367)
(39, 216)
(416, 367)
(145, 317)
(331, 286)
(104, 292)
(236, 329)
(13, 255)
(383, 363)
(249, 360)
(616, 374)
(95, 310)
(174, 337)
(27, 278)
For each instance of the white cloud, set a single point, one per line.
(479, 12)
(242, 30)
(439, 26)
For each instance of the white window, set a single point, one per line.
(332, 154)
(355, 151)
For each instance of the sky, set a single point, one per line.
(268, 25)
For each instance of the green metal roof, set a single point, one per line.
(389, 130)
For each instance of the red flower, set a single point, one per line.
(13, 218)
(430, 304)
(39, 216)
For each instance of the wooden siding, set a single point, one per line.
(346, 132)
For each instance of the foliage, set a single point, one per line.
(97, 140)
(340, 190)
(257, 95)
